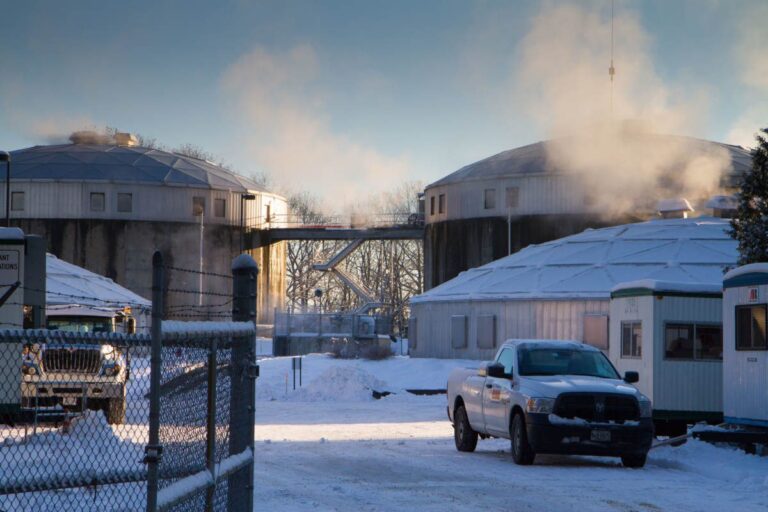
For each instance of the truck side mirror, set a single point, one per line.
(497, 370)
(631, 377)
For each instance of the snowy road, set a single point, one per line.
(397, 454)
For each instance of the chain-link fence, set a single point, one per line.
(112, 421)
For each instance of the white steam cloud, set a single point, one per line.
(618, 146)
(289, 132)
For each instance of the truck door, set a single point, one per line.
(496, 397)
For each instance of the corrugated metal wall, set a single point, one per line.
(71, 200)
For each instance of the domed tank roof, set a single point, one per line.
(532, 159)
(590, 264)
(118, 163)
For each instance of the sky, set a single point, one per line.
(347, 98)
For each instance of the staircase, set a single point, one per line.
(366, 296)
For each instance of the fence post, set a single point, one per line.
(153, 450)
(210, 449)
(242, 375)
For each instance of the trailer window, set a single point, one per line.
(631, 339)
(678, 341)
(709, 342)
(750, 327)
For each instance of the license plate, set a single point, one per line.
(602, 436)
(69, 400)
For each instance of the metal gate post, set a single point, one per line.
(153, 450)
(242, 374)
(210, 450)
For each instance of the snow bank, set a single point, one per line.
(340, 383)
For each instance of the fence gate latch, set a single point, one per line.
(153, 454)
(252, 371)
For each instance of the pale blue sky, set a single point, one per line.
(418, 85)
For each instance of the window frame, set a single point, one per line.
(639, 345)
(130, 202)
(752, 347)
(103, 201)
(489, 199)
(216, 202)
(431, 205)
(441, 204)
(14, 195)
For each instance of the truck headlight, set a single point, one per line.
(28, 369)
(540, 405)
(107, 351)
(646, 410)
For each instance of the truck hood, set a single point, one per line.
(550, 386)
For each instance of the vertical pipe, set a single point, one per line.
(243, 371)
(200, 275)
(210, 451)
(152, 450)
(8, 192)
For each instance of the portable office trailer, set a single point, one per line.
(671, 334)
(745, 355)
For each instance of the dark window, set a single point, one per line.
(441, 203)
(432, 205)
(17, 201)
(750, 327)
(198, 206)
(124, 202)
(219, 207)
(513, 197)
(506, 358)
(678, 341)
(490, 199)
(631, 339)
(709, 342)
(97, 201)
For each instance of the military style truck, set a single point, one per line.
(554, 397)
(74, 377)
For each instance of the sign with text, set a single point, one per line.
(10, 270)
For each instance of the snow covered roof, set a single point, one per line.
(109, 162)
(655, 285)
(532, 159)
(11, 234)
(746, 275)
(68, 284)
(590, 264)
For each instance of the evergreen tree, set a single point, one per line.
(750, 227)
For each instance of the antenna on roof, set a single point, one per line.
(611, 70)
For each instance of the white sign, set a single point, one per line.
(754, 295)
(9, 267)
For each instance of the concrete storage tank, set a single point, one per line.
(501, 204)
(562, 289)
(107, 205)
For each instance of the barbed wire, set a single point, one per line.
(193, 271)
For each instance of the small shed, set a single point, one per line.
(672, 335)
(745, 356)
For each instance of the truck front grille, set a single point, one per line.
(79, 360)
(597, 407)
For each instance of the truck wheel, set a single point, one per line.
(522, 453)
(463, 435)
(634, 461)
(115, 411)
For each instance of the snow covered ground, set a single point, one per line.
(331, 446)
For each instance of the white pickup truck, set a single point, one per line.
(547, 396)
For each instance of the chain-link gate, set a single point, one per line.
(130, 422)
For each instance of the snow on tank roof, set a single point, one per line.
(590, 264)
(11, 234)
(102, 162)
(746, 275)
(668, 286)
(532, 159)
(68, 284)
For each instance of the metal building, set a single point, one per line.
(561, 289)
(503, 203)
(108, 206)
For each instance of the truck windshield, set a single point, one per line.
(79, 324)
(555, 361)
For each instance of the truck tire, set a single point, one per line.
(115, 411)
(463, 434)
(522, 453)
(634, 461)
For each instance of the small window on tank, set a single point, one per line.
(17, 201)
(219, 207)
(432, 205)
(489, 199)
(97, 201)
(124, 202)
(441, 203)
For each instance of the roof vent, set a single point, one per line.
(723, 206)
(126, 139)
(90, 137)
(674, 208)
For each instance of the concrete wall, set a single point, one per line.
(122, 251)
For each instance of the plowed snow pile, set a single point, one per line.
(339, 383)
